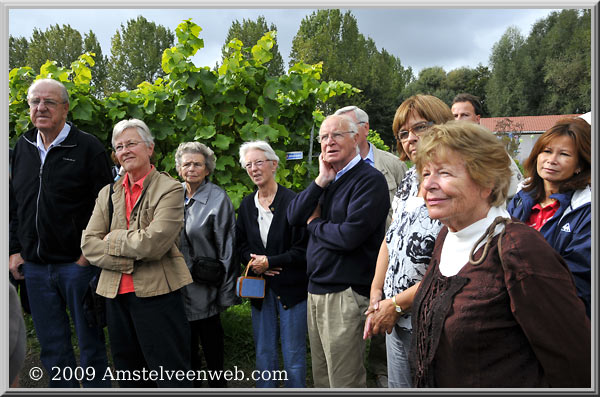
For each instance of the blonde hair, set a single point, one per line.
(485, 158)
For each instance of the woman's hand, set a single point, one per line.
(259, 263)
(384, 317)
(272, 272)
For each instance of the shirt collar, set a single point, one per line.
(370, 156)
(139, 183)
(348, 167)
(62, 135)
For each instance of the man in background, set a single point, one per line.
(468, 107)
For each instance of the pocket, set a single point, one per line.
(146, 216)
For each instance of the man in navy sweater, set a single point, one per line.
(345, 210)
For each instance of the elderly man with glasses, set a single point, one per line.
(393, 169)
(57, 172)
(345, 210)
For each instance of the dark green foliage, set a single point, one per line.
(136, 53)
(221, 108)
(549, 72)
(249, 32)
(333, 38)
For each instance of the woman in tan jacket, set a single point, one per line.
(134, 243)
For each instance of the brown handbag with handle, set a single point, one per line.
(250, 287)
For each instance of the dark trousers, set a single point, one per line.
(208, 332)
(147, 334)
(52, 289)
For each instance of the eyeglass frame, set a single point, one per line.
(336, 136)
(50, 103)
(257, 163)
(128, 145)
(421, 124)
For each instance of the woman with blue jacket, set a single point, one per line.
(556, 198)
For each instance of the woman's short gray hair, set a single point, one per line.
(139, 125)
(196, 148)
(257, 145)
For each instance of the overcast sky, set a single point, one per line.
(449, 38)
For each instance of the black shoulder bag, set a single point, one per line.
(205, 270)
(94, 305)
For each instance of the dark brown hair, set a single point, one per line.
(580, 131)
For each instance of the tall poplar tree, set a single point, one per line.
(333, 37)
(249, 32)
(136, 53)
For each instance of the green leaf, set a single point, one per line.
(223, 178)
(223, 161)
(222, 141)
(267, 133)
(205, 132)
(181, 111)
(82, 111)
(116, 114)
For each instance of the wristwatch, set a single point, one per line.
(397, 306)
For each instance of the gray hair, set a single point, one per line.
(343, 118)
(257, 145)
(64, 94)
(196, 148)
(139, 125)
(361, 115)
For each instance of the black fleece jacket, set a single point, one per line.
(50, 204)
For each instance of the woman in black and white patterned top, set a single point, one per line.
(406, 250)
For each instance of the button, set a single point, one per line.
(279, 297)
(285, 307)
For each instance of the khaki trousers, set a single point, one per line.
(335, 329)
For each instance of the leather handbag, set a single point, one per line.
(250, 287)
(205, 270)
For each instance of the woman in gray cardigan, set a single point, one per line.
(209, 227)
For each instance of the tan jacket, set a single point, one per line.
(148, 249)
(394, 170)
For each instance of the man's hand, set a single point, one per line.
(326, 173)
(14, 265)
(316, 214)
(82, 261)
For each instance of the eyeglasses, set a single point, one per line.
(336, 136)
(128, 145)
(192, 163)
(416, 129)
(50, 103)
(257, 163)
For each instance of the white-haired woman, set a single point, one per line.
(132, 235)
(209, 232)
(277, 250)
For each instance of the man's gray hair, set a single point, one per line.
(139, 125)
(361, 115)
(64, 94)
(351, 124)
(257, 145)
(210, 161)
